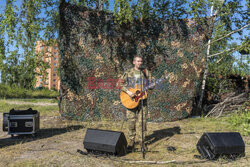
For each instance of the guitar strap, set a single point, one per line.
(144, 73)
(146, 77)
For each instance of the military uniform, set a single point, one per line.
(131, 78)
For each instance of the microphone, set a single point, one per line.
(142, 67)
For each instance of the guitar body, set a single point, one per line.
(132, 103)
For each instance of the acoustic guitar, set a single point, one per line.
(133, 102)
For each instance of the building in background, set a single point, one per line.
(48, 54)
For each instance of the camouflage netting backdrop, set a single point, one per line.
(95, 51)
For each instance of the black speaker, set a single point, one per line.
(213, 145)
(105, 141)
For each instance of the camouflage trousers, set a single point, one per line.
(134, 118)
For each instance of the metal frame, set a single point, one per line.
(35, 124)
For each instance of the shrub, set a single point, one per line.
(7, 91)
(241, 119)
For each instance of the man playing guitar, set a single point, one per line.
(130, 95)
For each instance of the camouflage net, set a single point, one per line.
(95, 51)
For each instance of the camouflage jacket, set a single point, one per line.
(130, 78)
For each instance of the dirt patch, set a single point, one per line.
(30, 103)
(59, 141)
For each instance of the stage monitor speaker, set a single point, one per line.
(105, 141)
(213, 145)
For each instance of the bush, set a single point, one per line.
(7, 91)
(241, 119)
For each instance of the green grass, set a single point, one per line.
(240, 120)
(182, 134)
(47, 110)
(237, 121)
(241, 123)
(34, 100)
(44, 110)
(232, 123)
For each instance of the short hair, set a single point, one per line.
(138, 57)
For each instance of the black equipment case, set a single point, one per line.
(21, 121)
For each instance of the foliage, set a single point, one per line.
(231, 16)
(217, 80)
(127, 10)
(22, 25)
(25, 22)
(168, 9)
(124, 14)
(241, 119)
(7, 91)
(242, 63)
(245, 50)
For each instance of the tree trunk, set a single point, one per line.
(205, 72)
(101, 5)
(97, 4)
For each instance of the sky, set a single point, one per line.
(2, 6)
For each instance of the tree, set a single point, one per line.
(26, 22)
(224, 23)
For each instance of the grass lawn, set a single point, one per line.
(33, 100)
(58, 140)
(46, 107)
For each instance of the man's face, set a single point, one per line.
(137, 62)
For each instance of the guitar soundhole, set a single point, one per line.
(137, 92)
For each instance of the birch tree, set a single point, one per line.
(230, 17)
(24, 22)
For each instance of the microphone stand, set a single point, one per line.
(142, 144)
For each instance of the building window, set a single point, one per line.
(55, 53)
(54, 80)
(54, 86)
(55, 47)
(54, 58)
(41, 79)
(54, 69)
(54, 75)
(54, 64)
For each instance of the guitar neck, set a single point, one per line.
(150, 86)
